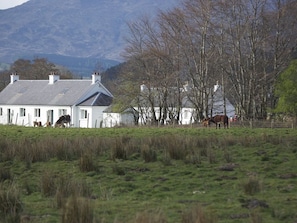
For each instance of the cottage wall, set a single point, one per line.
(90, 117)
(26, 115)
(111, 119)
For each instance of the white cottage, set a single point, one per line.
(217, 104)
(24, 102)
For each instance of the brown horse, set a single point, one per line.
(218, 119)
(205, 122)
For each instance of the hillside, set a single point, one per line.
(93, 29)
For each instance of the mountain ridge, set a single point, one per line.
(76, 28)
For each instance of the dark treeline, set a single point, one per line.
(242, 45)
(37, 69)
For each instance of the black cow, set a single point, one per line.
(64, 119)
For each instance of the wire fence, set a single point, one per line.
(263, 124)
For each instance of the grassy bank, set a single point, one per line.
(148, 175)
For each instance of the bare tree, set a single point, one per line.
(242, 44)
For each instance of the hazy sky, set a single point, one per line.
(5, 4)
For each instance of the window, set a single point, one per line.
(186, 114)
(62, 112)
(37, 112)
(84, 114)
(22, 112)
(1, 112)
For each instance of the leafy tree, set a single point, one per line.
(4, 79)
(38, 68)
(286, 90)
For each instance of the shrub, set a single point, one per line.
(150, 217)
(252, 186)
(30, 187)
(193, 158)
(48, 186)
(118, 150)
(166, 160)
(118, 170)
(211, 155)
(66, 187)
(7, 149)
(176, 153)
(148, 154)
(77, 210)
(11, 205)
(255, 217)
(5, 174)
(87, 163)
(175, 147)
(106, 194)
(198, 215)
(227, 156)
(31, 151)
(66, 149)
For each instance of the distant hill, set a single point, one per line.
(81, 66)
(76, 33)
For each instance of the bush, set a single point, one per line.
(166, 160)
(48, 186)
(10, 204)
(5, 174)
(77, 210)
(118, 150)
(150, 217)
(193, 158)
(87, 163)
(252, 186)
(69, 187)
(148, 154)
(118, 170)
(198, 215)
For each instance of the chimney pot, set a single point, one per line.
(14, 77)
(96, 77)
(53, 78)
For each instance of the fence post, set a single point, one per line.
(251, 124)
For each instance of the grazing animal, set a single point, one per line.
(38, 124)
(64, 119)
(218, 119)
(205, 122)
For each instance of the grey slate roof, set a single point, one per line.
(97, 99)
(40, 92)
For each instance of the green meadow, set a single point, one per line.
(148, 175)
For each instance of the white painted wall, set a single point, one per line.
(18, 119)
(111, 119)
(90, 117)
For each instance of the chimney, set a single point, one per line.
(14, 77)
(186, 86)
(143, 88)
(216, 87)
(53, 78)
(96, 78)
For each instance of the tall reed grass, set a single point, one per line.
(10, 203)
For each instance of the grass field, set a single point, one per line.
(187, 175)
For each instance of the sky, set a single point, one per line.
(5, 4)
